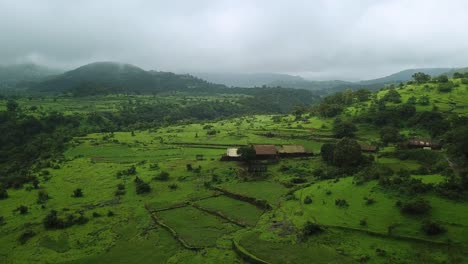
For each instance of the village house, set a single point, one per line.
(421, 143)
(265, 152)
(368, 148)
(231, 155)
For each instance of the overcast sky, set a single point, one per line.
(317, 39)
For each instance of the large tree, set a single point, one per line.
(347, 153)
(421, 77)
(343, 128)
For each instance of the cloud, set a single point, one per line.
(319, 39)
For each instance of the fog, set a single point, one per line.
(316, 39)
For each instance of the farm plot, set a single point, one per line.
(239, 211)
(195, 227)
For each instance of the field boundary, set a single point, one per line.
(246, 255)
(219, 214)
(262, 204)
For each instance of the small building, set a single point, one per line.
(231, 155)
(368, 148)
(265, 152)
(422, 143)
(293, 151)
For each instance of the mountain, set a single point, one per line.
(21, 75)
(112, 77)
(247, 79)
(405, 75)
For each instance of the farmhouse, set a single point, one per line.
(423, 144)
(293, 151)
(265, 151)
(231, 155)
(368, 148)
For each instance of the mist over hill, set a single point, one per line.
(20, 75)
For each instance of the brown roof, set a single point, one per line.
(292, 149)
(265, 149)
(422, 142)
(365, 147)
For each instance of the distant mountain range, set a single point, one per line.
(22, 75)
(290, 81)
(112, 77)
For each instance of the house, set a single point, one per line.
(423, 144)
(231, 155)
(368, 148)
(293, 151)
(265, 151)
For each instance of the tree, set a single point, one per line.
(78, 192)
(3, 192)
(11, 105)
(416, 206)
(247, 153)
(421, 77)
(424, 100)
(162, 176)
(327, 151)
(392, 96)
(457, 75)
(390, 134)
(442, 78)
(343, 128)
(42, 196)
(52, 221)
(141, 186)
(347, 153)
(432, 228)
(22, 209)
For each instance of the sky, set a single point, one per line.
(317, 39)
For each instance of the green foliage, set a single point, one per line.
(416, 206)
(421, 77)
(347, 153)
(25, 236)
(12, 106)
(78, 192)
(341, 203)
(247, 153)
(3, 192)
(162, 176)
(22, 209)
(390, 134)
(327, 152)
(432, 228)
(42, 197)
(343, 128)
(311, 229)
(445, 87)
(392, 96)
(141, 186)
(307, 200)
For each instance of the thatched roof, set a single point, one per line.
(265, 150)
(292, 149)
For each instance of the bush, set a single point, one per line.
(42, 197)
(96, 214)
(3, 192)
(189, 167)
(2, 220)
(341, 203)
(363, 222)
(141, 186)
(110, 214)
(24, 237)
(77, 193)
(22, 209)
(52, 221)
(416, 206)
(173, 186)
(163, 176)
(310, 229)
(307, 200)
(432, 228)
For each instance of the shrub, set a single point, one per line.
(432, 228)
(141, 186)
(52, 221)
(77, 193)
(42, 197)
(363, 222)
(369, 201)
(416, 206)
(163, 176)
(173, 186)
(96, 214)
(307, 200)
(3, 192)
(189, 167)
(25, 236)
(22, 209)
(2, 220)
(341, 203)
(110, 214)
(310, 229)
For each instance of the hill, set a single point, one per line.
(248, 79)
(405, 75)
(18, 75)
(112, 77)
